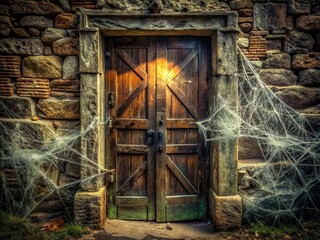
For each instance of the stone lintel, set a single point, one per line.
(92, 141)
(224, 52)
(90, 51)
(226, 211)
(90, 208)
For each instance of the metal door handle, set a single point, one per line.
(160, 148)
(111, 99)
(150, 137)
(160, 136)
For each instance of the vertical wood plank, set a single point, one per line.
(161, 116)
(111, 80)
(151, 70)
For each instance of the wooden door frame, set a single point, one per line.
(221, 27)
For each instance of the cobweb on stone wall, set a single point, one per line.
(286, 187)
(36, 161)
(39, 168)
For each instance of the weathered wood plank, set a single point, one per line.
(181, 123)
(184, 100)
(182, 212)
(181, 177)
(130, 123)
(135, 93)
(127, 184)
(132, 201)
(151, 111)
(182, 148)
(181, 65)
(132, 149)
(187, 43)
(133, 65)
(161, 117)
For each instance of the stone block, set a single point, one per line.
(269, 16)
(274, 44)
(50, 35)
(10, 66)
(4, 30)
(65, 88)
(17, 107)
(90, 208)
(243, 42)
(33, 87)
(282, 60)
(298, 42)
(70, 67)
(247, 12)
(34, 32)
(89, 51)
(27, 46)
(278, 77)
(299, 6)
(6, 87)
(309, 78)
(4, 9)
(224, 167)
(248, 148)
(245, 19)
(91, 109)
(33, 7)
(298, 97)
(66, 21)
(245, 27)
(240, 4)
(308, 23)
(65, 5)
(226, 54)
(42, 67)
(289, 23)
(20, 32)
(36, 21)
(226, 212)
(53, 108)
(305, 61)
(66, 46)
(36, 135)
(47, 51)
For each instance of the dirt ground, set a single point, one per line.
(118, 229)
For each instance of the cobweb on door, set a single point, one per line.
(287, 184)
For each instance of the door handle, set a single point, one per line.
(160, 141)
(111, 99)
(160, 148)
(160, 136)
(150, 137)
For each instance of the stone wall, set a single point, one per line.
(39, 87)
(39, 56)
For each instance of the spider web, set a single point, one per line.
(40, 168)
(286, 186)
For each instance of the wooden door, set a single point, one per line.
(156, 91)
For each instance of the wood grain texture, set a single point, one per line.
(160, 84)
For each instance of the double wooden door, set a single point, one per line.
(156, 91)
